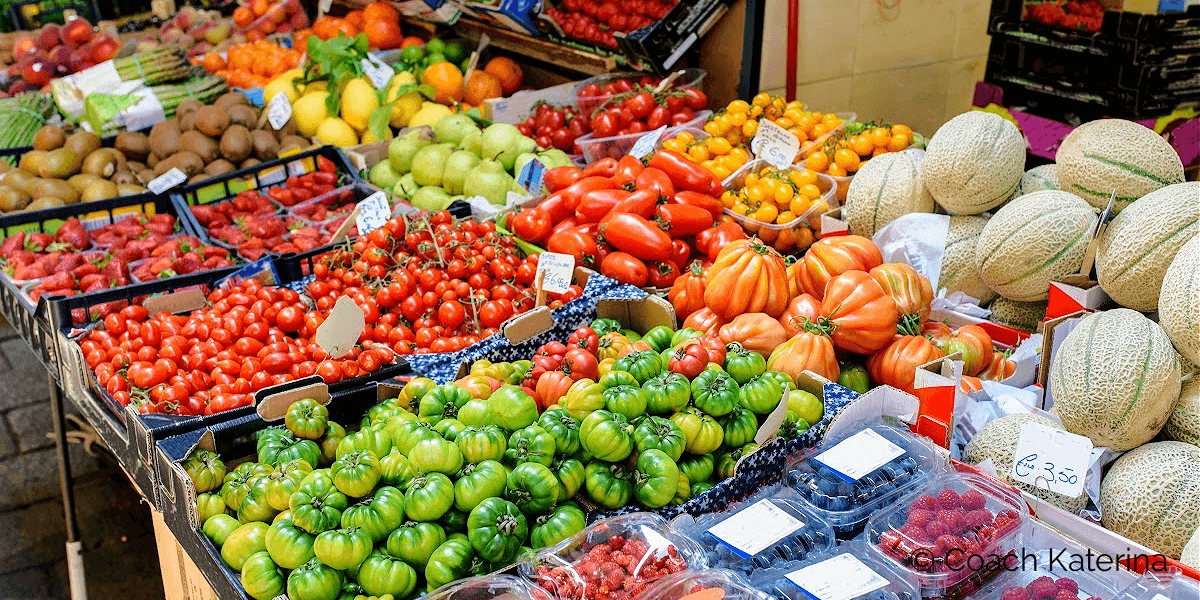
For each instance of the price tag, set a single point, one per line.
(554, 271)
(859, 454)
(756, 528)
(775, 145)
(341, 328)
(645, 144)
(378, 72)
(262, 269)
(842, 577)
(531, 176)
(324, 5)
(279, 110)
(373, 213)
(1051, 459)
(167, 181)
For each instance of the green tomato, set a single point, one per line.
(685, 334)
(631, 334)
(614, 378)
(583, 397)
(351, 591)
(454, 521)
(242, 543)
(451, 561)
(237, 483)
(449, 428)
(256, 506)
(218, 527)
(854, 377)
(697, 467)
(317, 504)
(603, 326)
(209, 505)
(436, 456)
(806, 406)
(376, 440)
(475, 413)
(642, 364)
(289, 546)
(606, 435)
(726, 462)
(700, 488)
(627, 400)
(702, 432)
(478, 444)
(667, 393)
(314, 581)
(205, 469)
(556, 526)
(659, 337)
(307, 419)
(792, 426)
(531, 444)
(565, 429)
(329, 443)
(261, 579)
(275, 449)
(742, 364)
(428, 497)
(415, 542)
(656, 479)
(532, 487)
(762, 394)
(511, 409)
(607, 484)
(496, 529)
(683, 492)
(343, 548)
(381, 574)
(356, 473)
(740, 426)
(785, 380)
(714, 392)
(477, 482)
(570, 475)
(396, 470)
(443, 402)
(385, 410)
(284, 481)
(657, 433)
(408, 436)
(377, 515)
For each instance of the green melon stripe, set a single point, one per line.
(1141, 380)
(1016, 231)
(1087, 361)
(1136, 170)
(1168, 510)
(879, 196)
(1190, 290)
(1054, 258)
(1104, 195)
(1154, 248)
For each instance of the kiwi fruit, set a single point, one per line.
(47, 202)
(152, 161)
(82, 142)
(187, 122)
(288, 129)
(230, 100)
(188, 107)
(293, 141)
(55, 188)
(123, 176)
(185, 160)
(201, 144)
(129, 189)
(32, 161)
(19, 179)
(237, 143)
(212, 121)
(5, 167)
(49, 137)
(99, 190)
(103, 162)
(12, 199)
(198, 177)
(249, 162)
(134, 145)
(265, 146)
(60, 164)
(219, 167)
(164, 138)
(82, 180)
(244, 115)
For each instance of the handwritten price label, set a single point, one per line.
(775, 145)
(645, 144)
(279, 110)
(554, 271)
(377, 71)
(1051, 459)
(167, 181)
(373, 213)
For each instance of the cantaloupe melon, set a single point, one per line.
(1108, 154)
(1179, 298)
(1044, 177)
(1033, 240)
(974, 162)
(1184, 422)
(998, 441)
(1141, 242)
(1115, 379)
(1151, 495)
(959, 271)
(1191, 551)
(886, 187)
(1019, 315)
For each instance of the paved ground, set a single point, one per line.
(119, 550)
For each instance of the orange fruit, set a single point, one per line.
(383, 34)
(243, 16)
(213, 62)
(344, 28)
(446, 79)
(355, 18)
(412, 40)
(507, 72)
(260, 7)
(255, 34)
(381, 10)
(482, 86)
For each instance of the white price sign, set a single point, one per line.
(859, 454)
(1051, 459)
(554, 270)
(775, 145)
(756, 528)
(645, 144)
(377, 71)
(373, 212)
(840, 578)
(167, 181)
(279, 110)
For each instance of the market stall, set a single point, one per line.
(468, 300)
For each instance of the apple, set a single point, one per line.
(77, 32)
(49, 37)
(171, 35)
(219, 33)
(19, 86)
(104, 48)
(59, 58)
(25, 45)
(79, 58)
(37, 73)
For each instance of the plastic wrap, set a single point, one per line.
(681, 585)
(489, 587)
(850, 573)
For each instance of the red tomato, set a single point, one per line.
(626, 268)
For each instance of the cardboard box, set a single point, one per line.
(182, 580)
(1055, 331)
(515, 108)
(936, 385)
(832, 224)
(1073, 294)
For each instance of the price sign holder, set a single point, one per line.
(554, 273)
(1051, 459)
(775, 145)
(379, 72)
(340, 330)
(167, 181)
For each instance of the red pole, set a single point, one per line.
(793, 43)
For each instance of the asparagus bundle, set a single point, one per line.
(206, 89)
(21, 116)
(155, 66)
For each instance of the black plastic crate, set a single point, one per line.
(662, 44)
(1086, 105)
(1062, 65)
(1137, 35)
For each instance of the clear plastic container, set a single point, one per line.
(1036, 572)
(693, 78)
(681, 585)
(1171, 584)
(898, 461)
(287, 12)
(594, 148)
(843, 186)
(766, 530)
(337, 202)
(792, 237)
(849, 566)
(488, 587)
(917, 534)
(807, 148)
(568, 570)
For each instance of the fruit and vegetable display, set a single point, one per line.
(598, 22)
(65, 169)
(55, 51)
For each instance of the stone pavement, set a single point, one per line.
(119, 551)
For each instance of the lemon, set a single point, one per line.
(309, 112)
(367, 137)
(403, 107)
(429, 114)
(284, 83)
(316, 86)
(358, 102)
(337, 132)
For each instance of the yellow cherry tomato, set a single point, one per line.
(755, 195)
(711, 128)
(809, 191)
(817, 161)
(783, 192)
(862, 145)
(830, 120)
(880, 136)
(750, 181)
(721, 171)
(898, 143)
(903, 130)
(740, 154)
(835, 171)
(740, 208)
(847, 159)
(785, 217)
(718, 145)
(762, 99)
(738, 106)
(766, 213)
(729, 198)
(803, 177)
(799, 205)
(698, 152)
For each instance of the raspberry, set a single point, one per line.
(919, 517)
(1003, 524)
(912, 532)
(1066, 595)
(973, 500)
(926, 502)
(1011, 514)
(949, 517)
(948, 499)
(936, 529)
(1066, 583)
(978, 518)
(1042, 588)
(1014, 593)
(986, 534)
(946, 543)
(969, 546)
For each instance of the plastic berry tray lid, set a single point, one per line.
(851, 572)
(622, 553)
(851, 476)
(709, 584)
(770, 528)
(1171, 584)
(489, 587)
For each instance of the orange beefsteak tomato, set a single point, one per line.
(704, 320)
(806, 351)
(687, 293)
(802, 308)
(896, 364)
(909, 289)
(999, 369)
(747, 277)
(971, 342)
(756, 331)
(833, 256)
(861, 316)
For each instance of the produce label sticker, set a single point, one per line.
(279, 110)
(1051, 459)
(262, 269)
(377, 71)
(775, 145)
(144, 113)
(70, 91)
(554, 270)
(756, 528)
(340, 331)
(531, 176)
(859, 454)
(167, 181)
(373, 213)
(645, 144)
(840, 578)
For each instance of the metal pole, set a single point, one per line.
(752, 36)
(793, 45)
(75, 570)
